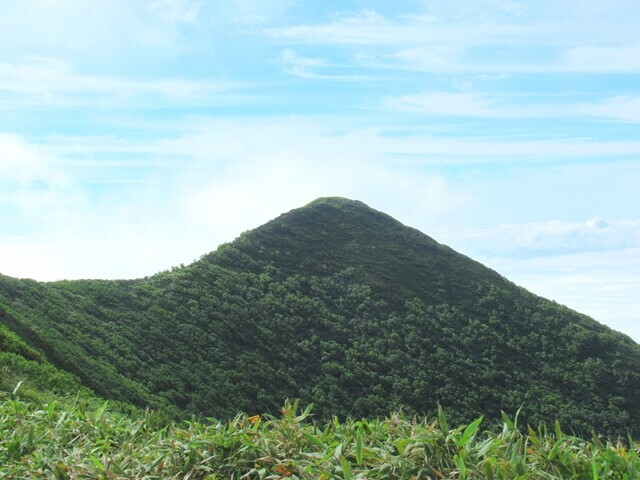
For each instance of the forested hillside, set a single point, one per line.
(336, 304)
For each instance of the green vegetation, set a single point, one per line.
(96, 442)
(38, 380)
(335, 304)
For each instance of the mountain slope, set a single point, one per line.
(337, 304)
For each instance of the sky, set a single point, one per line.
(137, 135)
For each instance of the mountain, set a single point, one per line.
(337, 304)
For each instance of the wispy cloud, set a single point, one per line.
(224, 138)
(317, 68)
(369, 28)
(177, 11)
(496, 39)
(601, 58)
(443, 103)
(472, 104)
(622, 107)
(46, 81)
(34, 193)
(293, 64)
(474, 9)
(22, 164)
(443, 151)
(110, 32)
(554, 237)
(253, 12)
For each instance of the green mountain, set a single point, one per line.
(336, 304)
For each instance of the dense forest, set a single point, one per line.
(335, 304)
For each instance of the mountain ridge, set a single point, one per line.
(337, 304)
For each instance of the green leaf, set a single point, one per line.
(558, 431)
(338, 452)
(96, 462)
(117, 468)
(100, 411)
(306, 412)
(401, 444)
(359, 446)
(469, 432)
(346, 468)
(459, 461)
(51, 410)
(508, 422)
(314, 439)
(488, 471)
(444, 426)
(594, 469)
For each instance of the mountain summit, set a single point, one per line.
(331, 234)
(341, 305)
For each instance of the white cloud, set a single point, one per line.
(229, 177)
(305, 67)
(408, 42)
(473, 104)
(103, 33)
(369, 28)
(554, 237)
(458, 57)
(177, 11)
(486, 37)
(22, 165)
(602, 58)
(443, 103)
(363, 28)
(623, 107)
(426, 149)
(291, 162)
(46, 81)
(432, 58)
(17, 161)
(293, 64)
(253, 12)
(478, 9)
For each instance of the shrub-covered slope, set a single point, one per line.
(337, 304)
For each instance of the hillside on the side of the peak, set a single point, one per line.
(337, 304)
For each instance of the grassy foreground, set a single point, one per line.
(79, 439)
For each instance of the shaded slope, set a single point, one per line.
(50, 325)
(340, 305)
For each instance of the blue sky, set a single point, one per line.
(137, 135)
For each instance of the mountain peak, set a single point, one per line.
(344, 209)
(338, 202)
(341, 305)
(332, 234)
(343, 205)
